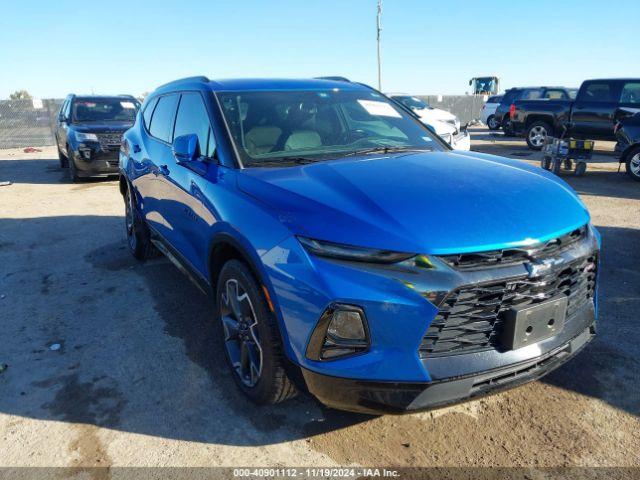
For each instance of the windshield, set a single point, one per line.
(275, 128)
(117, 109)
(411, 102)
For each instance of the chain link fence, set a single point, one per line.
(28, 123)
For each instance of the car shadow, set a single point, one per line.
(609, 368)
(41, 171)
(92, 336)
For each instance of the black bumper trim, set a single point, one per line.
(403, 397)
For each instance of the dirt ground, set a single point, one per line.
(139, 379)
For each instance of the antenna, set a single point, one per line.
(378, 30)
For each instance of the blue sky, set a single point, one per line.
(429, 46)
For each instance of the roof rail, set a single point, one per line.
(198, 78)
(334, 78)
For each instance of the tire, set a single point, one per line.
(581, 168)
(64, 161)
(251, 337)
(537, 134)
(492, 123)
(73, 171)
(546, 163)
(556, 166)
(632, 163)
(137, 231)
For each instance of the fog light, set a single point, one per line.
(346, 325)
(341, 331)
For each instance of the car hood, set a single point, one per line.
(102, 127)
(435, 114)
(439, 126)
(433, 202)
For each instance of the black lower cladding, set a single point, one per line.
(472, 318)
(402, 397)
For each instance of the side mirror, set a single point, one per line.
(186, 148)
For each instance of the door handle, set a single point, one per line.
(163, 170)
(136, 148)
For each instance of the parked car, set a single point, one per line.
(503, 111)
(441, 122)
(89, 130)
(350, 252)
(589, 116)
(487, 114)
(425, 111)
(627, 131)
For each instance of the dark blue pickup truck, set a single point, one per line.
(590, 115)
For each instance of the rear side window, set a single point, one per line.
(510, 96)
(148, 111)
(495, 99)
(555, 94)
(192, 118)
(630, 93)
(162, 120)
(598, 92)
(531, 94)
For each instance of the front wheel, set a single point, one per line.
(64, 161)
(537, 134)
(251, 337)
(138, 235)
(633, 164)
(492, 123)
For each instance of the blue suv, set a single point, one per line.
(350, 251)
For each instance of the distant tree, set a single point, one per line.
(20, 95)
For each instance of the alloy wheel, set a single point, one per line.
(241, 336)
(537, 136)
(493, 123)
(634, 164)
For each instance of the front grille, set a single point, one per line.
(470, 319)
(510, 256)
(110, 140)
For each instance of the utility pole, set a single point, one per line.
(379, 29)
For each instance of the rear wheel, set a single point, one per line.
(492, 123)
(537, 134)
(633, 164)
(251, 337)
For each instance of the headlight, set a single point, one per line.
(86, 137)
(322, 248)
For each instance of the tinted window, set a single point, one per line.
(598, 92)
(193, 119)
(148, 111)
(630, 93)
(163, 116)
(510, 96)
(530, 94)
(555, 94)
(495, 99)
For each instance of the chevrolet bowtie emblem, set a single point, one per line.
(538, 268)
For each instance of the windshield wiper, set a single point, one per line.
(283, 161)
(386, 149)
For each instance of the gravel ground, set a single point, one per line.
(139, 380)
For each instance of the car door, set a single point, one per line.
(155, 165)
(630, 97)
(593, 109)
(190, 218)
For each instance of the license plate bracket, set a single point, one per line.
(530, 324)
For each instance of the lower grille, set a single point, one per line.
(471, 318)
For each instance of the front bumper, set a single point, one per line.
(91, 159)
(461, 141)
(403, 397)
